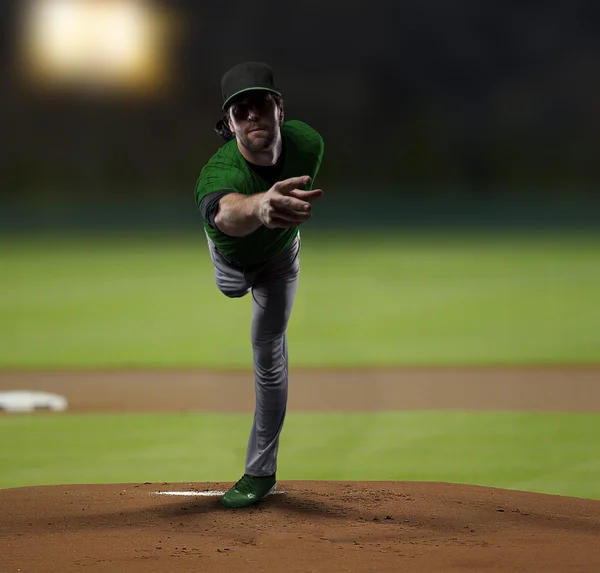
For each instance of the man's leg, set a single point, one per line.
(273, 292)
(230, 281)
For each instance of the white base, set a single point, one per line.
(26, 401)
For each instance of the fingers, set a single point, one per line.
(284, 217)
(291, 216)
(306, 195)
(284, 187)
(289, 203)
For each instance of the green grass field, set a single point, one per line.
(363, 300)
(549, 453)
(400, 299)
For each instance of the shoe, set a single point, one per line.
(249, 490)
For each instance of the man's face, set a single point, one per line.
(255, 118)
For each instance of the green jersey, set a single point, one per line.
(228, 171)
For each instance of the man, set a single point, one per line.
(253, 195)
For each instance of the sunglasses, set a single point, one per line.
(261, 104)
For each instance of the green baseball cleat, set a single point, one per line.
(249, 490)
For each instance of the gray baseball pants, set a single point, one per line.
(273, 287)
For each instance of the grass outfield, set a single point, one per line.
(363, 300)
(546, 452)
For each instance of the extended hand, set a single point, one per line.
(284, 205)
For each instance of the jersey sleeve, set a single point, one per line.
(218, 178)
(209, 205)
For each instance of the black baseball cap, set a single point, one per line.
(245, 77)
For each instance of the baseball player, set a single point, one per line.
(253, 194)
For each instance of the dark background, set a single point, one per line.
(432, 112)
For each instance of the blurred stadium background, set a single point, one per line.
(459, 225)
(446, 114)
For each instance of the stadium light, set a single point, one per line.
(112, 43)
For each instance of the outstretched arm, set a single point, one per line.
(282, 206)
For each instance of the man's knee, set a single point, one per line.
(231, 288)
(269, 356)
(230, 292)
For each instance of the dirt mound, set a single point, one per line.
(307, 526)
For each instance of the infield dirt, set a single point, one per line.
(307, 526)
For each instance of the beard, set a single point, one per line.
(259, 141)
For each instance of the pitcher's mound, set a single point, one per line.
(308, 526)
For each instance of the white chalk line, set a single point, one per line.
(210, 493)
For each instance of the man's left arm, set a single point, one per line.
(209, 205)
